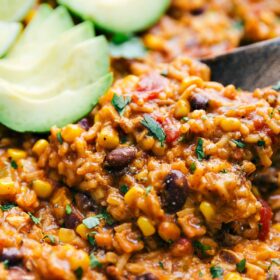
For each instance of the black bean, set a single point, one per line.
(85, 123)
(199, 102)
(120, 157)
(229, 256)
(175, 191)
(12, 255)
(73, 219)
(197, 12)
(84, 203)
(146, 276)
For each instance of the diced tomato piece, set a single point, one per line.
(265, 219)
(171, 130)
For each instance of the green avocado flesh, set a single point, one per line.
(15, 10)
(54, 78)
(9, 31)
(119, 16)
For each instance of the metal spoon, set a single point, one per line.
(248, 67)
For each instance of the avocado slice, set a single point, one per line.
(23, 114)
(45, 67)
(117, 16)
(9, 31)
(44, 29)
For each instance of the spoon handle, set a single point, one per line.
(248, 67)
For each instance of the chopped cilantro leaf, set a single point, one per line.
(7, 206)
(185, 119)
(94, 263)
(91, 240)
(201, 248)
(35, 220)
(261, 143)
(277, 86)
(148, 190)
(91, 222)
(223, 171)
(68, 209)
(120, 38)
(238, 25)
(124, 189)
(161, 265)
(106, 216)
(120, 102)
(154, 128)
(14, 164)
(216, 272)
(199, 150)
(192, 167)
(59, 137)
(79, 273)
(6, 264)
(238, 143)
(50, 237)
(240, 267)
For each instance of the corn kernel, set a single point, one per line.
(40, 146)
(108, 138)
(169, 231)
(66, 235)
(79, 259)
(233, 276)
(153, 42)
(146, 226)
(159, 149)
(71, 132)
(230, 124)
(43, 189)
(7, 186)
(16, 154)
(207, 210)
(147, 143)
(182, 109)
(193, 80)
(132, 195)
(83, 231)
(276, 226)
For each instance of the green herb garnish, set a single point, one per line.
(91, 240)
(185, 119)
(6, 264)
(59, 137)
(120, 38)
(124, 189)
(216, 272)
(148, 190)
(240, 267)
(238, 25)
(223, 171)
(91, 222)
(35, 220)
(261, 143)
(201, 248)
(192, 167)
(239, 143)
(161, 265)
(106, 217)
(276, 87)
(94, 263)
(120, 102)
(154, 128)
(14, 164)
(79, 273)
(199, 150)
(50, 237)
(7, 206)
(68, 209)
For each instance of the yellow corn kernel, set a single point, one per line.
(182, 108)
(83, 231)
(193, 80)
(66, 235)
(40, 146)
(7, 186)
(147, 143)
(43, 189)
(153, 42)
(232, 276)
(71, 132)
(230, 124)
(159, 149)
(169, 231)
(108, 138)
(146, 226)
(207, 210)
(79, 259)
(16, 154)
(132, 195)
(276, 226)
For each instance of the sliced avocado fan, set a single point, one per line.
(52, 79)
